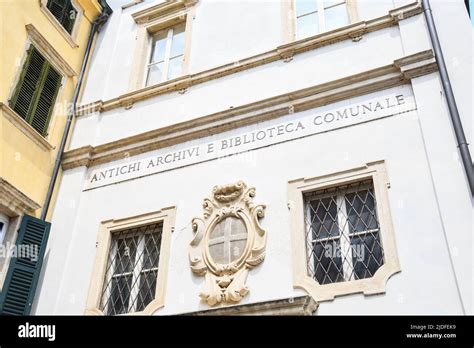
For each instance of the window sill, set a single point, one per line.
(69, 39)
(25, 128)
(131, 4)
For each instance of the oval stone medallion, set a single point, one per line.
(227, 241)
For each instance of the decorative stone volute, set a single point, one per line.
(228, 242)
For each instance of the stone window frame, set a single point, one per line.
(61, 65)
(152, 20)
(289, 29)
(375, 285)
(13, 204)
(167, 217)
(70, 38)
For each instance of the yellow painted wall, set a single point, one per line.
(22, 162)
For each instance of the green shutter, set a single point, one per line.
(20, 283)
(36, 91)
(45, 101)
(64, 12)
(28, 84)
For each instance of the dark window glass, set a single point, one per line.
(343, 241)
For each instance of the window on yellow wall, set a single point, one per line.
(36, 91)
(317, 16)
(64, 12)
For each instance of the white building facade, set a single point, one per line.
(266, 157)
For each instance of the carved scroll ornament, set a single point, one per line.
(228, 242)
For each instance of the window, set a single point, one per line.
(35, 93)
(343, 240)
(64, 12)
(4, 220)
(132, 269)
(167, 52)
(342, 233)
(131, 264)
(163, 43)
(317, 16)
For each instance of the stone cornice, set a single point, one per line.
(285, 52)
(15, 201)
(301, 305)
(153, 12)
(50, 53)
(25, 127)
(398, 73)
(131, 4)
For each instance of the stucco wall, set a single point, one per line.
(421, 245)
(23, 163)
(427, 180)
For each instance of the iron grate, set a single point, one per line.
(343, 233)
(132, 269)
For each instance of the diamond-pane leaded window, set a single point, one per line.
(132, 269)
(343, 233)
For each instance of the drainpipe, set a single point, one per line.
(448, 91)
(96, 26)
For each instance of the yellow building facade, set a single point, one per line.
(43, 45)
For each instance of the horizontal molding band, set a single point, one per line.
(401, 71)
(153, 12)
(286, 52)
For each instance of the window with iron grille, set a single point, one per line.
(343, 233)
(132, 269)
(36, 91)
(64, 12)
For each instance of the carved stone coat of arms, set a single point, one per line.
(228, 242)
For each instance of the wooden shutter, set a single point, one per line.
(20, 283)
(45, 101)
(56, 7)
(64, 12)
(28, 84)
(36, 91)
